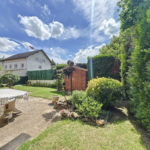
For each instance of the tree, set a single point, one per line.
(10, 79)
(113, 48)
(53, 62)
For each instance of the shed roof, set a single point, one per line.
(24, 55)
(75, 67)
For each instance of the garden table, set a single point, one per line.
(9, 96)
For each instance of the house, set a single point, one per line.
(75, 78)
(20, 63)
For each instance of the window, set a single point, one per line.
(43, 60)
(15, 66)
(5, 66)
(36, 59)
(40, 67)
(22, 65)
(10, 66)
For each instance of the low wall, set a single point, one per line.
(43, 81)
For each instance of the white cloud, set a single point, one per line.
(110, 27)
(3, 55)
(81, 56)
(11, 1)
(7, 45)
(45, 10)
(103, 10)
(26, 45)
(72, 32)
(34, 27)
(57, 29)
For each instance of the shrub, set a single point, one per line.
(103, 66)
(60, 66)
(10, 79)
(52, 85)
(78, 97)
(105, 90)
(89, 107)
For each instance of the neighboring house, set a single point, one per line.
(21, 63)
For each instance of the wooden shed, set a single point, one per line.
(78, 77)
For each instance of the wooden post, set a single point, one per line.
(71, 83)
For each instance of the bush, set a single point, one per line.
(60, 66)
(10, 79)
(104, 66)
(78, 97)
(89, 107)
(105, 90)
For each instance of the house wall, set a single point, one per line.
(32, 64)
(79, 80)
(18, 62)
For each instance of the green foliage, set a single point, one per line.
(113, 48)
(105, 90)
(53, 62)
(89, 107)
(59, 82)
(41, 75)
(10, 79)
(1, 68)
(82, 65)
(60, 66)
(104, 66)
(78, 97)
(39, 84)
(135, 17)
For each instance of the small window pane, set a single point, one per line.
(10, 66)
(5, 66)
(43, 60)
(22, 65)
(40, 67)
(15, 66)
(36, 59)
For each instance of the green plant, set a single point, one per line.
(78, 97)
(52, 85)
(60, 66)
(103, 66)
(105, 90)
(1, 68)
(59, 82)
(10, 79)
(89, 107)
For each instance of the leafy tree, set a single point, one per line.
(10, 79)
(135, 17)
(53, 62)
(113, 48)
(60, 66)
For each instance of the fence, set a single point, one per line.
(41, 75)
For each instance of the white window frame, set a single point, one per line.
(15, 66)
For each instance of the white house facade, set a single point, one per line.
(21, 63)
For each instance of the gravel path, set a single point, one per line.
(38, 114)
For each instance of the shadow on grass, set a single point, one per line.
(119, 116)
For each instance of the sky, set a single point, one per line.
(64, 29)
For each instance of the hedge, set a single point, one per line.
(41, 75)
(103, 66)
(60, 66)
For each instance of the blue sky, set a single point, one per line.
(63, 28)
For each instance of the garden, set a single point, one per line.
(114, 110)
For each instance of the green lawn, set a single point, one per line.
(39, 91)
(69, 135)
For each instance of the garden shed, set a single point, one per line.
(75, 76)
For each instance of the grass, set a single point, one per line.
(41, 92)
(75, 135)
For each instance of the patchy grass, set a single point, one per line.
(42, 92)
(75, 135)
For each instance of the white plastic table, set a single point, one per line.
(9, 96)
